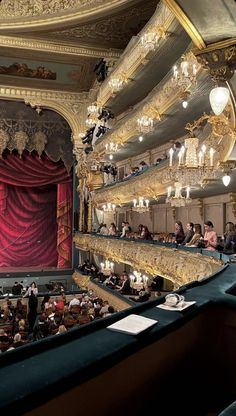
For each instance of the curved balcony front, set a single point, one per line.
(181, 266)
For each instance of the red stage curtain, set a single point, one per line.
(28, 209)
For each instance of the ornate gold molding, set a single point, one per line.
(186, 23)
(135, 57)
(72, 106)
(22, 14)
(219, 59)
(179, 266)
(54, 47)
(115, 301)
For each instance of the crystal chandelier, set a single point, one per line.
(111, 147)
(90, 122)
(145, 124)
(93, 112)
(107, 267)
(116, 84)
(193, 168)
(142, 205)
(138, 279)
(109, 207)
(151, 38)
(178, 200)
(185, 74)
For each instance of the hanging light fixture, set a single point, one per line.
(109, 207)
(226, 179)
(219, 98)
(107, 267)
(178, 200)
(93, 112)
(185, 74)
(141, 205)
(116, 84)
(111, 147)
(151, 38)
(193, 167)
(145, 124)
(138, 281)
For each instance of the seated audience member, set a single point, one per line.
(229, 238)
(143, 296)
(109, 312)
(145, 233)
(112, 229)
(85, 268)
(104, 230)
(143, 165)
(125, 230)
(179, 232)
(197, 236)
(157, 284)
(16, 289)
(111, 281)
(74, 301)
(125, 288)
(210, 236)
(189, 233)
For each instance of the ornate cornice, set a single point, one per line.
(219, 59)
(186, 23)
(179, 266)
(155, 105)
(29, 14)
(56, 47)
(72, 106)
(134, 58)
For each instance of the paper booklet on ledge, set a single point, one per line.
(132, 324)
(179, 308)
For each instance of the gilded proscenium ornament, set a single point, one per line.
(72, 106)
(219, 59)
(179, 266)
(155, 105)
(134, 58)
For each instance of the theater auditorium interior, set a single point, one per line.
(117, 207)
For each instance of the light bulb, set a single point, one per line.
(219, 97)
(226, 180)
(185, 104)
(140, 138)
(110, 157)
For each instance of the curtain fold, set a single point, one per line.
(29, 191)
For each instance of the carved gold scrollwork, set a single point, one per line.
(176, 265)
(220, 63)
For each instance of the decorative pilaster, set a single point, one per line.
(90, 214)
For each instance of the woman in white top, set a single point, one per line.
(32, 290)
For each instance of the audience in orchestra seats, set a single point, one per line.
(189, 233)
(229, 238)
(210, 236)
(179, 232)
(197, 236)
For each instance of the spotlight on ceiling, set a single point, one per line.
(219, 98)
(185, 104)
(140, 138)
(226, 179)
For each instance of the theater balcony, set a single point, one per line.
(181, 266)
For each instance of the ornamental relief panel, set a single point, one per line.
(179, 266)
